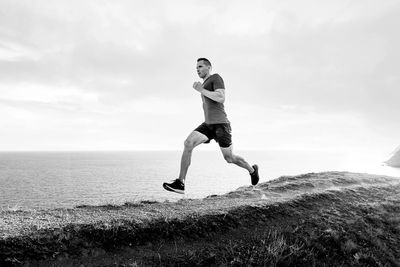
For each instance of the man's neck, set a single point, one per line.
(206, 77)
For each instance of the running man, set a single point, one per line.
(216, 126)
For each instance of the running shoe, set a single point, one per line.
(176, 186)
(254, 175)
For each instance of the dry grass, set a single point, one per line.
(316, 219)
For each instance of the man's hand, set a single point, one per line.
(218, 95)
(198, 86)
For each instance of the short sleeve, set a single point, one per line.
(218, 82)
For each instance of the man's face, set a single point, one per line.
(202, 69)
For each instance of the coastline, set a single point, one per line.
(333, 217)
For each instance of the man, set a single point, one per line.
(216, 126)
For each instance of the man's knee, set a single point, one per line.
(189, 144)
(229, 158)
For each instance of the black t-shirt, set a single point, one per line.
(214, 112)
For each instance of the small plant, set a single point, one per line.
(15, 208)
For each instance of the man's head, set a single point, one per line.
(203, 67)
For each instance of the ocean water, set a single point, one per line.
(41, 180)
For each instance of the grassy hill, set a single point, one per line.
(315, 219)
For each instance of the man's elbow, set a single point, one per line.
(220, 96)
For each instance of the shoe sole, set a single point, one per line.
(166, 187)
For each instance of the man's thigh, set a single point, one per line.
(206, 130)
(195, 138)
(223, 135)
(227, 152)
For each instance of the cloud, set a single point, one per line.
(343, 65)
(108, 64)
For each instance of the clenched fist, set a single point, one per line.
(198, 86)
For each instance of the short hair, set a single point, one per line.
(206, 61)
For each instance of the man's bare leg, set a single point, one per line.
(194, 139)
(235, 159)
(241, 162)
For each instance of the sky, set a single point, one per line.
(118, 75)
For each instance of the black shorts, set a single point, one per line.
(220, 132)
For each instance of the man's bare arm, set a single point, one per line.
(218, 95)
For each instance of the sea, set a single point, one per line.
(65, 179)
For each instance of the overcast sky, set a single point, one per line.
(112, 75)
